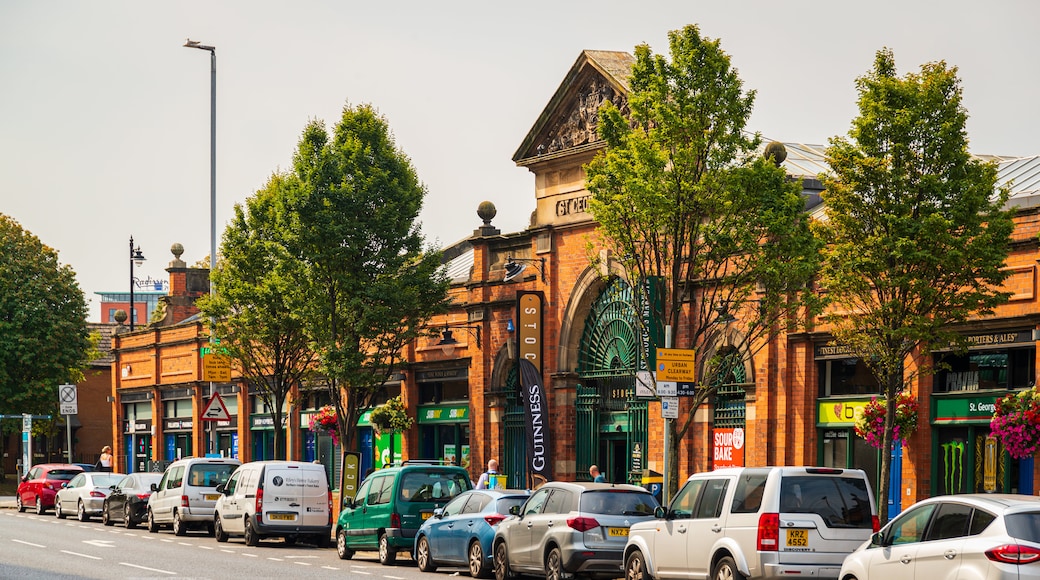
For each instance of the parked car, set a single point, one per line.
(185, 496)
(755, 522)
(568, 528)
(281, 499)
(128, 502)
(996, 537)
(41, 483)
(392, 503)
(84, 495)
(460, 534)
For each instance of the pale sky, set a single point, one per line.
(105, 126)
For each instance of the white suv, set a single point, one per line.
(187, 493)
(755, 522)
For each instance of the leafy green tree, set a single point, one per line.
(44, 338)
(916, 233)
(370, 284)
(256, 312)
(682, 198)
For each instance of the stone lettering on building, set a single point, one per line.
(572, 206)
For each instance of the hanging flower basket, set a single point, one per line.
(870, 425)
(390, 417)
(1016, 423)
(325, 422)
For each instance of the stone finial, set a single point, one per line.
(486, 211)
(177, 249)
(776, 152)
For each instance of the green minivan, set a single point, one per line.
(392, 503)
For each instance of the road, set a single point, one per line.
(44, 547)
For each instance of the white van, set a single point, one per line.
(286, 499)
(187, 492)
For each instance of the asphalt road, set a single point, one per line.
(44, 547)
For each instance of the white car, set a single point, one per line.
(980, 536)
(84, 495)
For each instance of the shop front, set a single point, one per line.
(138, 430)
(444, 433)
(177, 424)
(839, 446)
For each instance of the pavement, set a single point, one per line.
(7, 501)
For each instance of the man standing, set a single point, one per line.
(492, 469)
(596, 476)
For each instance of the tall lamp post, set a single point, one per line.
(212, 447)
(136, 257)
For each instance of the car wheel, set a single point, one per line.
(726, 569)
(502, 571)
(554, 565)
(478, 568)
(39, 506)
(422, 555)
(106, 517)
(342, 550)
(128, 519)
(635, 567)
(81, 512)
(210, 530)
(57, 510)
(218, 530)
(290, 540)
(152, 526)
(387, 556)
(179, 529)
(250, 534)
(18, 502)
(322, 540)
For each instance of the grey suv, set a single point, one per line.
(568, 528)
(756, 522)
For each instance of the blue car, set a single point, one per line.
(460, 534)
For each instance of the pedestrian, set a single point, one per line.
(104, 463)
(492, 469)
(596, 475)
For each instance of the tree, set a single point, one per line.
(683, 201)
(916, 231)
(44, 338)
(370, 285)
(256, 314)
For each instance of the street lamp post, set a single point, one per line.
(212, 191)
(136, 257)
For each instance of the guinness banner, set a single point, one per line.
(536, 415)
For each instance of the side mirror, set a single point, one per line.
(877, 539)
(438, 513)
(220, 489)
(660, 512)
(348, 502)
(514, 511)
(64, 485)
(154, 487)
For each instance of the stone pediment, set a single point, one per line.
(569, 122)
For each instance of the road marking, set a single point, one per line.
(303, 563)
(276, 559)
(167, 541)
(28, 543)
(185, 544)
(248, 554)
(394, 577)
(147, 568)
(100, 543)
(228, 551)
(80, 555)
(207, 547)
(356, 570)
(329, 568)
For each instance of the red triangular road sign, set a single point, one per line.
(215, 410)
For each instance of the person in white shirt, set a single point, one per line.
(492, 469)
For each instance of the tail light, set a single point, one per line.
(184, 501)
(494, 519)
(582, 524)
(48, 485)
(143, 496)
(96, 493)
(769, 533)
(258, 512)
(876, 523)
(1014, 554)
(330, 508)
(395, 520)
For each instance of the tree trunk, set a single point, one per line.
(892, 389)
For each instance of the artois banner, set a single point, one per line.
(536, 414)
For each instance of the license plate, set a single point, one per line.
(212, 496)
(282, 517)
(798, 538)
(617, 531)
(425, 515)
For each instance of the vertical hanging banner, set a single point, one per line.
(536, 421)
(529, 330)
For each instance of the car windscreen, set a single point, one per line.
(422, 485)
(1024, 526)
(209, 474)
(63, 474)
(618, 503)
(842, 502)
(107, 480)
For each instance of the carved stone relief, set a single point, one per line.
(577, 126)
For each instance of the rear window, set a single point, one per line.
(418, 485)
(620, 503)
(1024, 526)
(63, 474)
(506, 503)
(842, 502)
(106, 480)
(209, 474)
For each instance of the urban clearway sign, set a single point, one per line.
(676, 365)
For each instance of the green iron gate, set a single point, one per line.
(611, 422)
(514, 448)
(730, 400)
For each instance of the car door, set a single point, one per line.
(671, 542)
(169, 494)
(443, 530)
(30, 488)
(228, 508)
(119, 496)
(706, 525)
(940, 552)
(521, 541)
(65, 501)
(352, 513)
(468, 525)
(895, 559)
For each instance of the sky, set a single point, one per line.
(105, 116)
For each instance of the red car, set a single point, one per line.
(38, 487)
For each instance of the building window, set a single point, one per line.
(1012, 368)
(845, 376)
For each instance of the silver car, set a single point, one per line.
(567, 528)
(984, 536)
(84, 495)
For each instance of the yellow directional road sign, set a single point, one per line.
(679, 371)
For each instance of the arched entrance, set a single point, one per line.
(611, 422)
